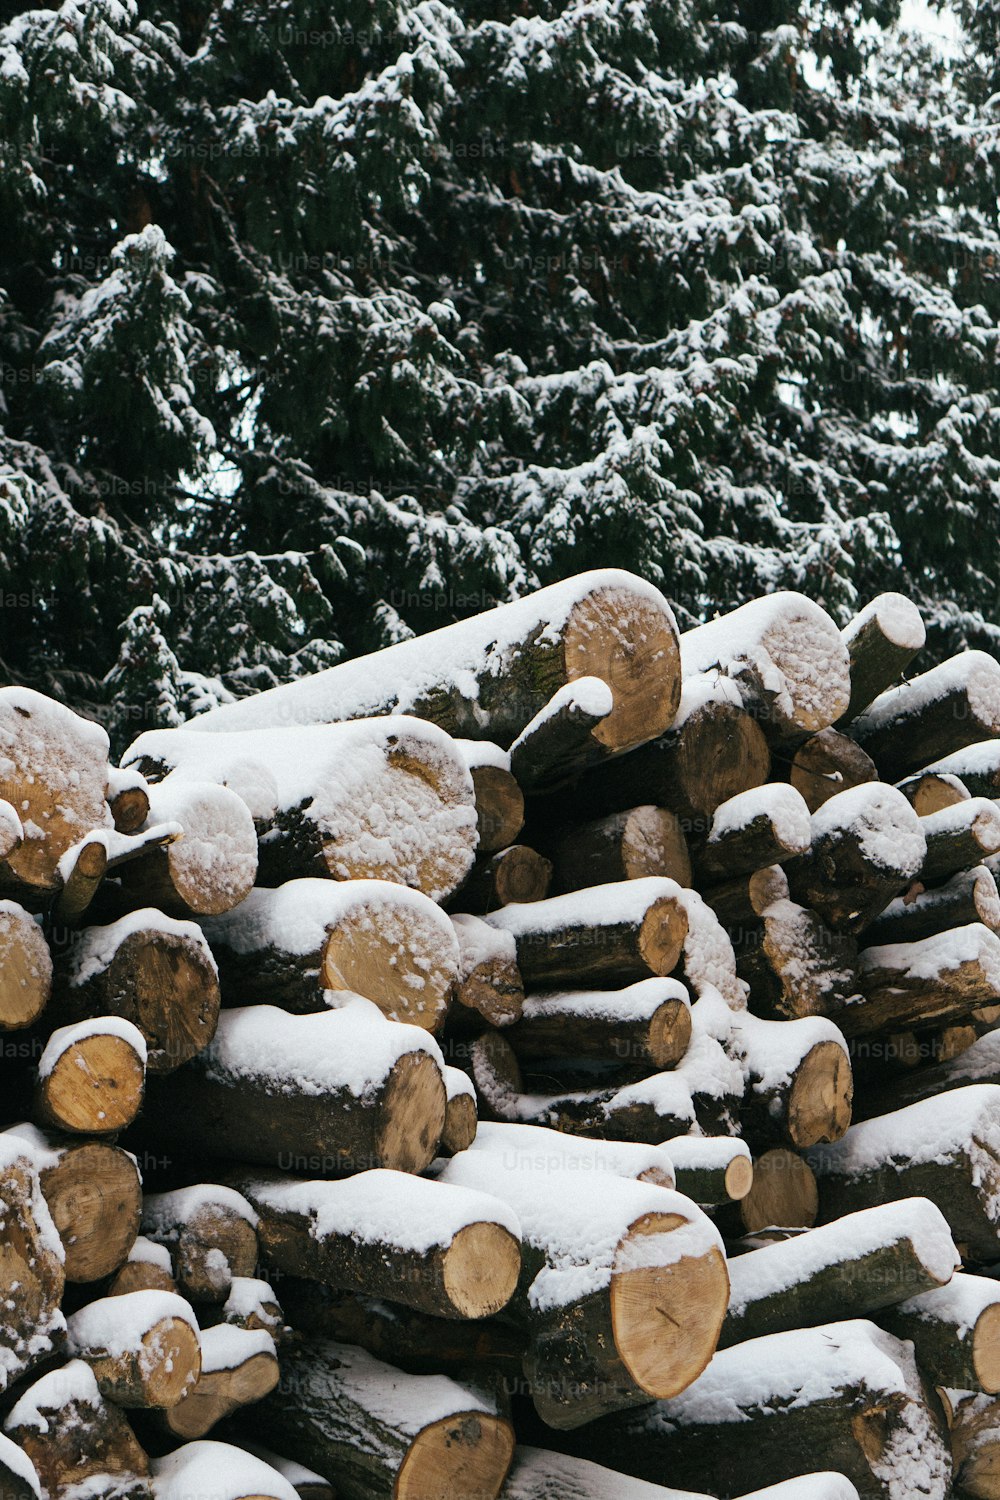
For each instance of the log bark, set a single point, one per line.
(881, 642)
(290, 946)
(486, 677)
(851, 1268)
(955, 1332)
(976, 768)
(795, 965)
(786, 657)
(499, 799)
(953, 705)
(210, 1232)
(238, 1368)
(938, 979)
(828, 763)
(647, 1024)
(488, 985)
(207, 871)
(71, 1434)
(623, 931)
(449, 1253)
(25, 968)
(627, 845)
(970, 896)
(960, 836)
(378, 1434)
(928, 792)
(867, 846)
(150, 970)
(766, 1410)
(323, 1094)
(91, 1077)
(755, 829)
(515, 874)
(55, 773)
(564, 737)
(947, 1150)
(142, 1347)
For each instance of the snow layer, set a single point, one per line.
(117, 846)
(226, 1346)
(708, 959)
(116, 1325)
(770, 1051)
(164, 1212)
(150, 1253)
(478, 753)
(479, 943)
(596, 906)
(823, 1485)
(636, 1002)
(533, 1148)
(216, 1471)
(11, 831)
(457, 1084)
(74, 1381)
(539, 1475)
(244, 773)
(399, 677)
(95, 947)
(289, 1468)
(701, 688)
(980, 759)
(776, 1268)
(887, 829)
(899, 620)
(960, 1302)
(979, 1063)
(352, 1047)
(962, 1121)
(389, 1208)
(941, 953)
(972, 672)
(70, 1036)
(980, 811)
(588, 697)
(705, 1153)
(785, 807)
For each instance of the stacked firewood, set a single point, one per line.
(552, 1058)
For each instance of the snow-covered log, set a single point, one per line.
(71, 1434)
(711, 1169)
(761, 827)
(881, 640)
(292, 945)
(537, 1474)
(867, 846)
(953, 705)
(251, 1304)
(626, 845)
(936, 979)
(210, 868)
(372, 1430)
(785, 655)
(91, 1077)
(564, 737)
(210, 1232)
(148, 1268)
(798, 1080)
(794, 964)
(239, 1366)
(955, 1331)
(32, 1274)
(443, 1250)
(828, 763)
(205, 1470)
(974, 1430)
(128, 799)
(488, 984)
(519, 873)
(151, 970)
(851, 1268)
(930, 791)
(646, 1024)
(979, 1063)
(323, 1094)
(627, 930)
(783, 1194)
(975, 767)
(960, 836)
(499, 800)
(624, 1286)
(384, 799)
(968, 897)
(18, 1476)
(143, 1347)
(946, 1149)
(461, 1114)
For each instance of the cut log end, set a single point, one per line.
(25, 969)
(481, 1267)
(219, 1393)
(986, 1349)
(783, 1193)
(413, 1110)
(669, 1034)
(630, 644)
(819, 1104)
(95, 1086)
(653, 843)
(828, 763)
(95, 1198)
(460, 1124)
(666, 1319)
(467, 1454)
(499, 807)
(662, 934)
(362, 956)
(739, 1178)
(173, 995)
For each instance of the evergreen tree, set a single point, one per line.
(319, 328)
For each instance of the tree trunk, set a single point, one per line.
(461, 1118)
(799, 1085)
(211, 1234)
(980, 1063)
(939, 978)
(489, 984)
(783, 1194)
(975, 1445)
(626, 845)
(711, 1169)
(647, 1024)
(128, 799)
(515, 874)
(881, 642)
(953, 705)
(142, 1347)
(795, 965)
(91, 1077)
(960, 836)
(757, 828)
(955, 1331)
(970, 896)
(238, 1367)
(976, 767)
(32, 1278)
(149, 1268)
(564, 737)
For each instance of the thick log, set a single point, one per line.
(647, 1024)
(539, 1475)
(207, 871)
(757, 828)
(711, 1169)
(220, 1471)
(970, 896)
(128, 799)
(975, 767)
(323, 1094)
(239, 1366)
(148, 1268)
(867, 845)
(955, 1331)
(486, 677)
(828, 763)
(945, 1149)
(93, 1192)
(940, 978)
(979, 1063)
(383, 799)
(488, 984)
(881, 640)
(290, 946)
(627, 930)
(499, 799)
(765, 1411)
(378, 1434)
(853, 1267)
(799, 1085)
(150, 970)
(519, 873)
(943, 710)
(91, 1077)
(25, 968)
(783, 1194)
(960, 836)
(439, 1249)
(251, 1304)
(564, 737)
(794, 964)
(645, 1319)
(929, 792)
(54, 773)
(461, 1117)
(211, 1233)
(143, 1347)
(625, 845)
(975, 1443)
(32, 1278)
(71, 1434)
(785, 655)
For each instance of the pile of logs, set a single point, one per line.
(557, 1058)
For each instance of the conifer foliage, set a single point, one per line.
(321, 325)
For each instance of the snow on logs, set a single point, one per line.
(388, 799)
(143, 1347)
(239, 1366)
(292, 945)
(934, 715)
(209, 1232)
(955, 1331)
(220, 1471)
(488, 984)
(647, 1024)
(329, 1093)
(208, 870)
(881, 640)
(91, 1077)
(486, 677)
(72, 1434)
(539, 1475)
(936, 979)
